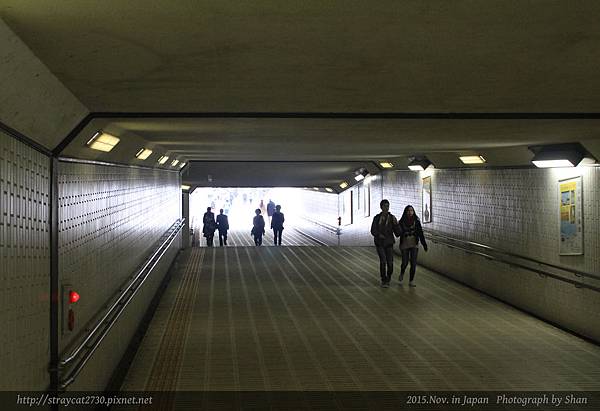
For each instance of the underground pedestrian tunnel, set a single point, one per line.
(107, 280)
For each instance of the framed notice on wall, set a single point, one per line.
(571, 216)
(426, 206)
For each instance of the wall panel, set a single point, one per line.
(359, 232)
(25, 262)
(110, 218)
(515, 210)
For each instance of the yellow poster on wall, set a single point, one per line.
(571, 216)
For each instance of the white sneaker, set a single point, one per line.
(412, 284)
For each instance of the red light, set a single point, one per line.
(73, 297)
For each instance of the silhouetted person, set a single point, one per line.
(209, 226)
(263, 209)
(258, 227)
(270, 209)
(222, 226)
(277, 225)
(383, 229)
(411, 233)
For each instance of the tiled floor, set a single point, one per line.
(291, 237)
(315, 318)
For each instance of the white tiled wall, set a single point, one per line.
(319, 206)
(514, 210)
(359, 232)
(24, 267)
(109, 220)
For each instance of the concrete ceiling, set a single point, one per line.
(323, 57)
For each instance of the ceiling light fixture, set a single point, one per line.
(360, 174)
(329, 190)
(143, 154)
(185, 187)
(174, 163)
(316, 188)
(472, 159)
(163, 159)
(182, 165)
(386, 164)
(343, 184)
(103, 142)
(419, 164)
(558, 155)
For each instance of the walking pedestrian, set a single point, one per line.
(258, 227)
(277, 225)
(411, 233)
(383, 229)
(263, 209)
(222, 226)
(270, 209)
(209, 226)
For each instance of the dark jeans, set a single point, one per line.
(222, 237)
(386, 258)
(410, 254)
(258, 239)
(277, 235)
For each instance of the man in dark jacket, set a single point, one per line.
(258, 227)
(222, 226)
(277, 225)
(383, 229)
(209, 226)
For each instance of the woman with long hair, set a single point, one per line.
(411, 233)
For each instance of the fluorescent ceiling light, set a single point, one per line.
(163, 159)
(329, 190)
(103, 142)
(386, 164)
(588, 161)
(185, 187)
(343, 184)
(552, 163)
(143, 154)
(558, 155)
(360, 174)
(316, 188)
(175, 162)
(472, 159)
(182, 165)
(419, 164)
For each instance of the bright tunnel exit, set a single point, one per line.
(302, 212)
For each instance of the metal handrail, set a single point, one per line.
(510, 254)
(328, 227)
(116, 308)
(316, 240)
(435, 237)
